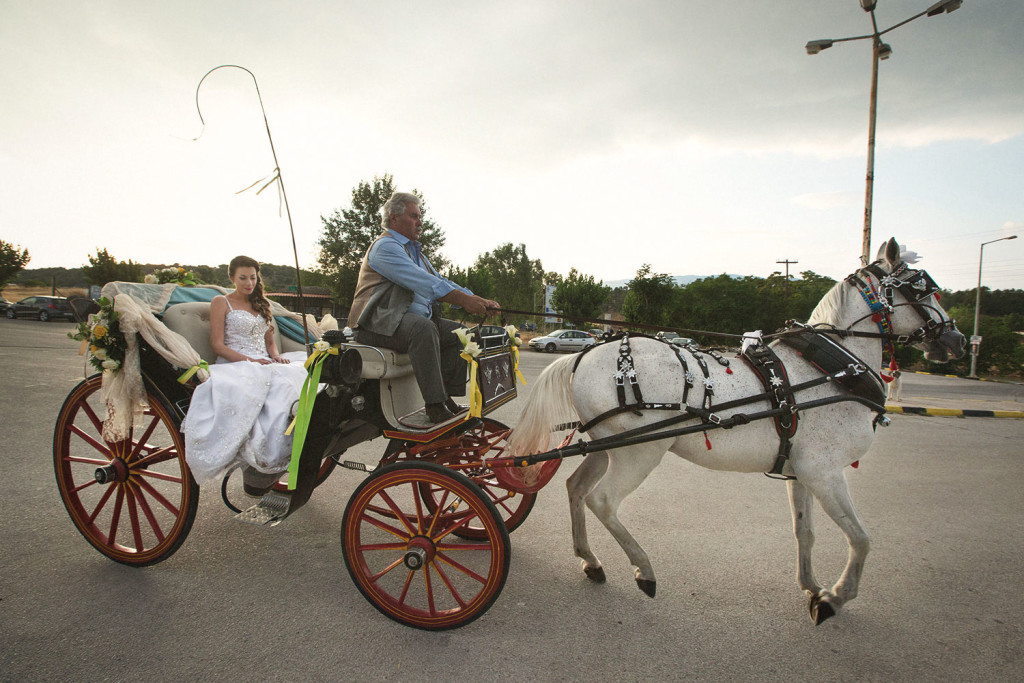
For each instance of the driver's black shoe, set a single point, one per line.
(453, 407)
(438, 413)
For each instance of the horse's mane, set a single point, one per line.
(829, 309)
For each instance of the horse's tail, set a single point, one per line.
(550, 403)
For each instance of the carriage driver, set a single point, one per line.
(395, 306)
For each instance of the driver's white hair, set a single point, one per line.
(395, 206)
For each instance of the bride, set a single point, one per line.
(240, 414)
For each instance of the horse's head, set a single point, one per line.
(914, 313)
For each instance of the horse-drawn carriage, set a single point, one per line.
(425, 535)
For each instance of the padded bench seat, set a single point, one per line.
(192, 321)
(381, 363)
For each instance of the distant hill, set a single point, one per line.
(679, 280)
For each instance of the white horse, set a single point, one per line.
(829, 438)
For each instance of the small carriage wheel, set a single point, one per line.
(405, 559)
(487, 440)
(133, 500)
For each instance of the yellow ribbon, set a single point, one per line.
(476, 399)
(83, 347)
(203, 365)
(307, 396)
(515, 364)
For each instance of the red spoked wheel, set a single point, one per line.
(133, 500)
(405, 558)
(487, 440)
(465, 454)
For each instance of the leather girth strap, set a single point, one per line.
(772, 373)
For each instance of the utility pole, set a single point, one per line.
(787, 262)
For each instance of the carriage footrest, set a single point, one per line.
(272, 508)
(358, 466)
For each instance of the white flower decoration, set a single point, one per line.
(101, 353)
(151, 279)
(460, 332)
(511, 330)
(111, 364)
(321, 346)
(472, 348)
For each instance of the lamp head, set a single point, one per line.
(946, 6)
(868, 5)
(884, 51)
(816, 46)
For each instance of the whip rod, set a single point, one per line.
(280, 185)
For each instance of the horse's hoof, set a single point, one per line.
(595, 574)
(819, 609)
(647, 587)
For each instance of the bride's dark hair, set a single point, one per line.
(257, 299)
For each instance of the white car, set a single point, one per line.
(562, 340)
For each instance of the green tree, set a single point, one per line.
(475, 280)
(12, 261)
(104, 268)
(649, 299)
(349, 232)
(516, 278)
(579, 295)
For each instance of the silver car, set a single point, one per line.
(562, 340)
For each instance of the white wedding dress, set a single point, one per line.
(240, 414)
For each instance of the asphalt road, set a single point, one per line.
(940, 599)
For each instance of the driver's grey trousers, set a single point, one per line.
(433, 351)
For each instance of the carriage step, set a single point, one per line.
(272, 508)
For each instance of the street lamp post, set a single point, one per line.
(879, 51)
(975, 337)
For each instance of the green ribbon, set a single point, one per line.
(307, 396)
(203, 365)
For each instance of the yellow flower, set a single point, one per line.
(99, 331)
(93, 348)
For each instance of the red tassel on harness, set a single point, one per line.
(728, 370)
(855, 464)
(894, 369)
(707, 441)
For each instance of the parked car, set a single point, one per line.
(595, 332)
(679, 341)
(493, 335)
(528, 326)
(562, 340)
(4, 305)
(42, 307)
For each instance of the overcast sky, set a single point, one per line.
(698, 137)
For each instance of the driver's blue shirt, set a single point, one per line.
(411, 270)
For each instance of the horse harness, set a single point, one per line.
(836, 363)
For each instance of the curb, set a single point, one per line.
(953, 412)
(973, 379)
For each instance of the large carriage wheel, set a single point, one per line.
(133, 500)
(405, 558)
(486, 440)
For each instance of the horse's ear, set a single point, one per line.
(892, 251)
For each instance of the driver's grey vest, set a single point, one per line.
(379, 303)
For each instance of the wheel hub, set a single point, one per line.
(116, 471)
(420, 551)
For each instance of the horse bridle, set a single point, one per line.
(915, 285)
